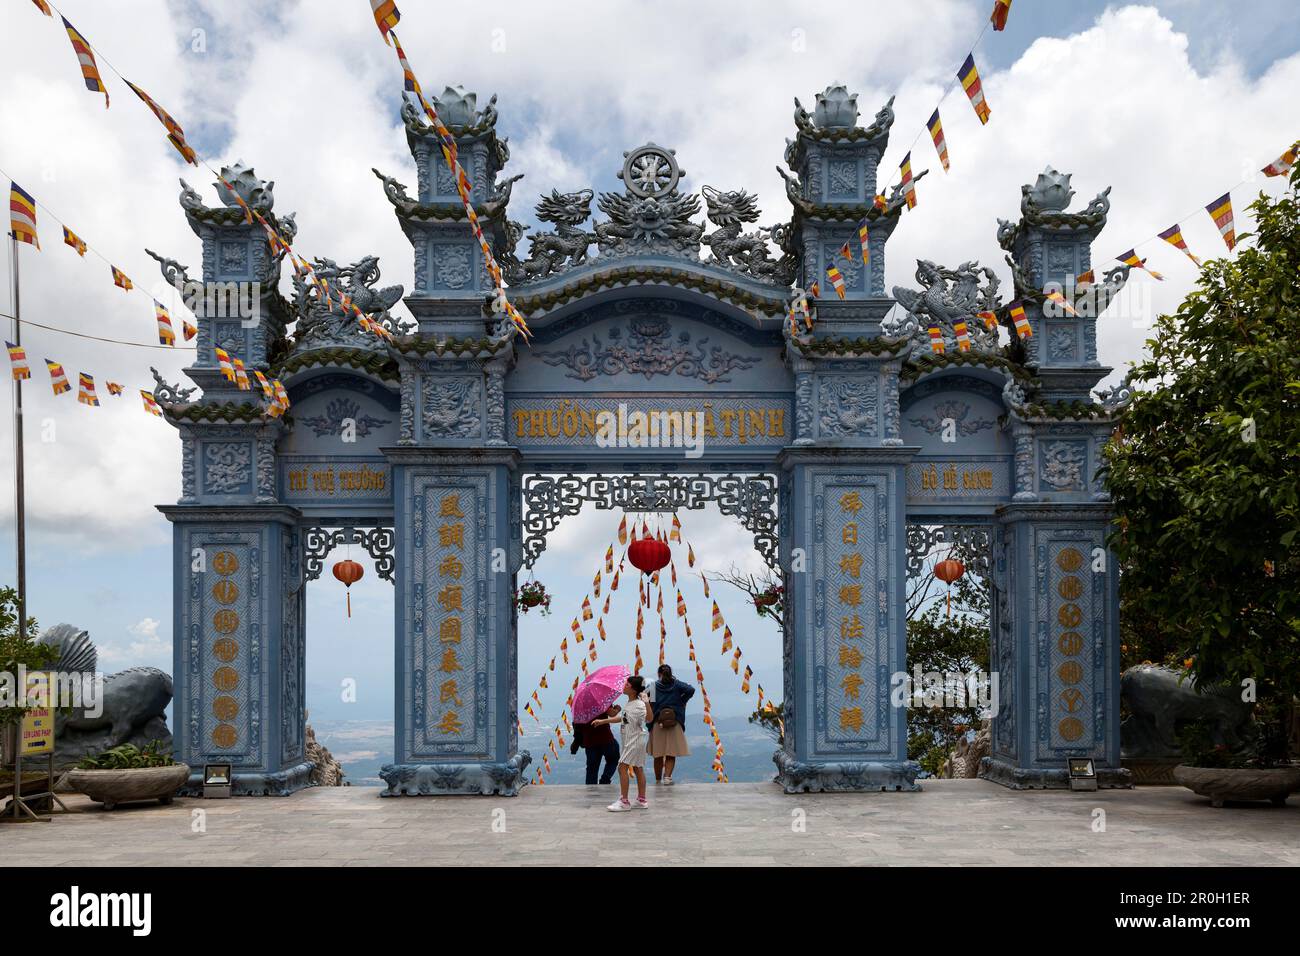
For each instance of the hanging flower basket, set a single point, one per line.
(533, 594)
(769, 601)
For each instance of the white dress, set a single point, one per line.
(633, 734)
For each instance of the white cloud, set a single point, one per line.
(146, 646)
(312, 99)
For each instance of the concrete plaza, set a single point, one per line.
(749, 824)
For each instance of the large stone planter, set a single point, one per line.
(111, 787)
(1220, 784)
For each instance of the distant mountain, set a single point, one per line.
(363, 746)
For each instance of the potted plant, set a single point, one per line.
(533, 594)
(127, 773)
(1253, 771)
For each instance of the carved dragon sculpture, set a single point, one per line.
(948, 296)
(745, 251)
(321, 325)
(550, 252)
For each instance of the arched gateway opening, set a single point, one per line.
(696, 378)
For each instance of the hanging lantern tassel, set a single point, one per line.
(349, 572)
(949, 570)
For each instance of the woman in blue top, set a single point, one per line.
(667, 733)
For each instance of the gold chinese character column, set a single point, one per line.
(455, 728)
(845, 633)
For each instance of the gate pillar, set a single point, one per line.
(457, 556)
(842, 555)
(238, 649)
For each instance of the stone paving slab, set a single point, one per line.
(951, 822)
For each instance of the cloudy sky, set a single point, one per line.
(1170, 103)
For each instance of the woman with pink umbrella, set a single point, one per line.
(632, 723)
(593, 699)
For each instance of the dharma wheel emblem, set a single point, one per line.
(650, 171)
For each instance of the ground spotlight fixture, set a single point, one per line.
(216, 780)
(1083, 776)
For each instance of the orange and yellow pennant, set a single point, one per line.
(1284, 163)
(940, 144)
(189, 329)
(70, 238)
(1174, 236)
(1061, 303)
(44, 7)
(175, 135)
(86, 57)
(18, 358)
(837, 280)
(909, 186)
(86, 390)
(223, 362)
(1221, 212)
(1020, 320)
(58, 378)
(990, 320)
(241, 376)
(22, 215)
(166, 335)
(864, 243)
(1130, 258)
(114, 388)
(936, 340)
(963, 336)
(970, 82)
(150, 405)
(386, 16)
(120, 279)
(1001, 10)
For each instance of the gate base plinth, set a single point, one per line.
(797, 776)
(434, 779)
(1044, 778)
(254, 783)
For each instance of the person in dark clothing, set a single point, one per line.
(600, 744)
(668, 733)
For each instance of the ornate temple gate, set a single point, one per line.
(656, 377)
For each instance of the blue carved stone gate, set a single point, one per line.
(451, 450)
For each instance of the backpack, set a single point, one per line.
(666, 718)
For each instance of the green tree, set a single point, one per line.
(14, 651)
(1204, 471)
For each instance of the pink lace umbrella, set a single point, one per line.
(598, 691)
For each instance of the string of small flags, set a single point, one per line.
(386, 18)
(176, 137)
(22, 224)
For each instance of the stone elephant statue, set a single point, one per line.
(1159, 704)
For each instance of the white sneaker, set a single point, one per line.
(641, 804)
(668, 781)
(619, 806)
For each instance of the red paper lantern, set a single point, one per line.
(947, 571)
(349, 572)
(649, 554)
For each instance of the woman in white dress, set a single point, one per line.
(632, 722)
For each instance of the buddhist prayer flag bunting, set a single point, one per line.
(1130, 258)
(1284, 163)
(881, 203)
(735, 662)
(846, 251)
(409, 82)
(1221, 212)
(717, 615)
(18, 358)
(970, 82)
(595, 583)
(70, 238)
(281, 395)
(22, 215)
(837, 280)
(89, 69)
(58, 380)
(386, 16)
(44, 7)
(963, 336)
(175, 135)
(690, 556)
(744, 683)
(241, 376)
(940, 144)
(675, 533)
(267, 391)
(1020, 320)
(223, 362)
(936, 340)
(150, 405)
(586, 609)
(166, 335)
(990, 320)
(114, 388)
(864, 242)
(1061, 303)
(86, 390)
(909, 188)
(120, 280)
(1001, 9)
(600, 628)
(189, 329)
(726, 639)
(622, 531)
(1174, 236)
(1085, 278)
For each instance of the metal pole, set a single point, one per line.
(20, 510)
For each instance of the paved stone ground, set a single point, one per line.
(750, 824)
